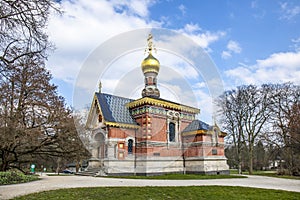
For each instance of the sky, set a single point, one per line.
(204, 47)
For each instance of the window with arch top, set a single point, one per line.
(130, 146)
(171, 132)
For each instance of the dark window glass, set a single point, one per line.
(130, 146)
(171, 132)
(214, 152)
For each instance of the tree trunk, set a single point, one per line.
(77, 165)
(239, 158)
(250, 158)
(58, 165)
(5, 163)
(240, 163)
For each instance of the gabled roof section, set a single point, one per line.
(197, 125)
(200, 127)
(113, 108)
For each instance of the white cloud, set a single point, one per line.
(241, 75)
(278, 67)
(191, 28)
(296, 44)
(297, 40)
(232, 47)
(199, 85)
(226, 54)
(258, 12)
(205, 103)
(289, 11)
(206, 38)
(138, 7)
(182, 9)
(287, 60)
(202, 37)
(176, 63)
(84, 25)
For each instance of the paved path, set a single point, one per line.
(58, 182)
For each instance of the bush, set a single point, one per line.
(283, 172)
(13, 177)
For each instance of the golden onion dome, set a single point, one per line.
(150, 64)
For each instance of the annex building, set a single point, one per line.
(151, 135)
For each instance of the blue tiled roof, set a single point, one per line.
(114, 108)
(197, 125)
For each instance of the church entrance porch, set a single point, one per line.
(98, 151)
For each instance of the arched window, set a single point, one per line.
(171, 132)
(130, 146)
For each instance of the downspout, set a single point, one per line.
(135, 152)
(182, 144)
(167, 135)
(183, 156)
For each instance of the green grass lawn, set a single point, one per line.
(191, 192)
(275, 175)
(267, 173)
(179, 177)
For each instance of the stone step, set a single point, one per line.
(89, 172)
(92, 172)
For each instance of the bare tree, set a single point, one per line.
(257, 112)
(295, 139)
(69, 143)
(270, 113)
(23, 30)
(285, 97)
(33, 118)
(260, 161)
(232, 112)
(245, 112)
(29, 109)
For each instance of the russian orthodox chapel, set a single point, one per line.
(151, 135)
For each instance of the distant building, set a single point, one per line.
(150, 135)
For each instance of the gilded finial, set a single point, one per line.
(150, 44)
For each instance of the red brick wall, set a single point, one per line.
(192, 150)
(114, 132)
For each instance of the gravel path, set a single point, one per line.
(58, 182)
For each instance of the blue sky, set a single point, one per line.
(250, 42)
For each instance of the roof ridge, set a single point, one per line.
(197, 124)
(114, 95)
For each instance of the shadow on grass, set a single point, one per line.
(179, 177)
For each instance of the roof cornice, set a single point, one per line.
(121, 125)
(203, 132)
(162, 103)
(196, 132)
